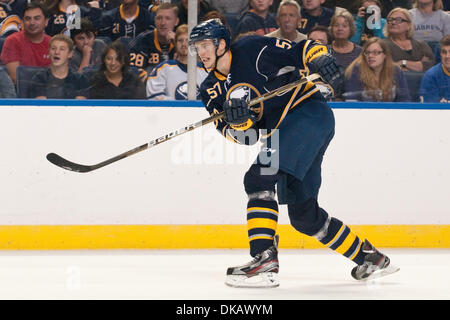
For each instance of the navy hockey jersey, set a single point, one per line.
(11, 15)
(63, 21)
(114, 24)
(308, 21)
(146, 52)
(259, 65)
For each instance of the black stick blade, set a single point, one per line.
(66, 164)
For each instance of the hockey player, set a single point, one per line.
(296, 128)
(168, 81)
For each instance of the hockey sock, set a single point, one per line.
(262, 221)
(338, 237)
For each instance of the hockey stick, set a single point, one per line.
(72, 166)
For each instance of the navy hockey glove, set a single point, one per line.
(326, 65)
(238, 114)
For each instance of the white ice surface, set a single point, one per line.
(200, 274)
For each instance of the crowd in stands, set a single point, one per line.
(389, 50)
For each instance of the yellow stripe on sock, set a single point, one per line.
(346, 244)
(262, 223)
(356, 251)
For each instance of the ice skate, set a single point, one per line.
(375, 264)
(261, 272)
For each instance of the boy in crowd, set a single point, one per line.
(59, 81)
(88, 50)
(258, 19)
(313, 13)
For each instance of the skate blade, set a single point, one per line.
(382, 273)
(261, 280)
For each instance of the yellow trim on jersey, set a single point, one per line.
(257, 110)
(306, 96)
(447, 72)
(262, 223)
(285, 111)
(122, 14)
(351, 237)
(156, 42)
(10, 21)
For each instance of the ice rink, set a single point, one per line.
(199, 275)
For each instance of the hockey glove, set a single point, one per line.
(238, 114)
(326, 65)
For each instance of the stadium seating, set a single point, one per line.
(24, 75)
(414, 78)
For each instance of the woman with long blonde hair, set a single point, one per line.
(373, 76)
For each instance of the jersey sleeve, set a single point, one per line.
(157, 84)
(288, 55)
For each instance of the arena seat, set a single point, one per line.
(414, 78)
(24, 75)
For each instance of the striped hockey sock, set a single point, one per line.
(338, 237)
(262, 221)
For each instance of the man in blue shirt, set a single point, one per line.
(435, 86)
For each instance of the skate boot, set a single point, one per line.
(375, 264)
(261, 272)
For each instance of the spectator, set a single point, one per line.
(7, 89)
(258, 19)
(236, 7)
(314, 14)
(373, 76)
(288, 18)
(65, 15)
(408, 53)
(322, 34)
(430, 22)
(28, 47)
(152, 47)
(59, 81)
(214, 14)
(368, 22)
(435, 85)
(88, 50)
(349, 5)
(389, 5)
(342, 28)
(114, 79)
(11, 14)
(128, 21)
(203, 8)
(168, 80)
